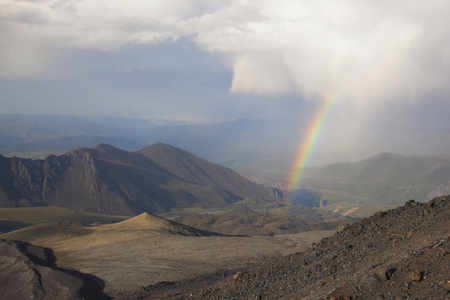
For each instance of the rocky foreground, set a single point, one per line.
(403, 253)
(30, 272)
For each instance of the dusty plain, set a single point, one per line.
(130, 255)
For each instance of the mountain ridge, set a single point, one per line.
(386, 178)
(109, 180)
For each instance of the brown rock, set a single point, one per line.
(389, 273)
(396, 241)
(447, 285)
(235, 277)
(415, 276)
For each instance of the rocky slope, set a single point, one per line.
(108, 180)
(249, 222)
(403, 253)
(29, 272)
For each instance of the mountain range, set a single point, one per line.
(383, 179)
(386, 178)
(233, 143)
(105, 179)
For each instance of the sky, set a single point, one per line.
(387, 63)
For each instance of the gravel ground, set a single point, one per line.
(402, 253)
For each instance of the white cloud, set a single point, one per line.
(263, 74)
(365, 50)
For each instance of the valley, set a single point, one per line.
(384, 180)
(194, 229)
(224, 150)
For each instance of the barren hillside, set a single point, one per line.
(403, 253)
(148, 249)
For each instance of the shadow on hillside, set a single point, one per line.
(92, 286)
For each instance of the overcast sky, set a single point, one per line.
(388, 62)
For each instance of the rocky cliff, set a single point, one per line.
(109, 180)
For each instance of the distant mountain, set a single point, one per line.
(109, 180)
(235, 143)
(243, 144)
(36, 136)
(386, 178)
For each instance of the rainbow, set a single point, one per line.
(310, 139)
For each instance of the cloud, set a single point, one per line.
(366, 51)
(263, 74)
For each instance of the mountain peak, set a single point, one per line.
(104, 147)
(142, 221)
(160, 146)
(152, 222)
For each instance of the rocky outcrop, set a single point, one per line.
(30, 272)
(26, 182)
(57, 180)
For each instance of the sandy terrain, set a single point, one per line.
(147, 250)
